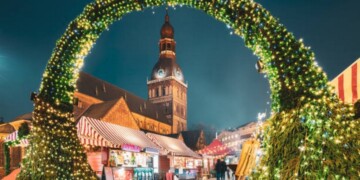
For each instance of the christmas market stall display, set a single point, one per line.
(176, 157)
(117, 152)
(215, 150)
(14, 147)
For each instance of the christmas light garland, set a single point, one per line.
(317, 134)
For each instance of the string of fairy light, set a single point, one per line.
(310, 136)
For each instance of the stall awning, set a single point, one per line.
(14, 136)
(173, 146)
(100, 133)
(215, 148)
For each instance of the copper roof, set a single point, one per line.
(167, 31)
(169, 68)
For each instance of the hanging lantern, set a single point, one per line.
(260, 66)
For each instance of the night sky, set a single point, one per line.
(225, 89)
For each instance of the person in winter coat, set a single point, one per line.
(223, 169)
(218, 169)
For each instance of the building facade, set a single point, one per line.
(234, 139)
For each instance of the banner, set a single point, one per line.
(346, 84)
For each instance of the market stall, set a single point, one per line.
(215, 150)
(14, 148)
(117, 152)
(181, 160)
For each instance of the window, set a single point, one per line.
(168, 46)
(163, 47)
(157, 92)
(163, 91)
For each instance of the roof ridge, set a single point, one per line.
(108, 83)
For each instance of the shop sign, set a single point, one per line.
(151, 150)
(129, 147)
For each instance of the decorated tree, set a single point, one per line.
(311, 135)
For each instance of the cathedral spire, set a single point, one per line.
(167, 19)
(166, 65)
(167, 31)
(166, 86)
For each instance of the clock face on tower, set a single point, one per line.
(178, 74)
(160, 73)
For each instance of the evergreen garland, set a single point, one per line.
(7, 158)
(311, 136)
(24, 130)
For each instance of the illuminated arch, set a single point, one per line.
(303, 105)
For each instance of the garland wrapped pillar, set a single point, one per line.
(7, 158)
(317, 133)
(54, 151)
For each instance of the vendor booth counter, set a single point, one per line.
(128, 173)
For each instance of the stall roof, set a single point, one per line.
(172, 146)
(215, 148)
(100, 133)
(14, 136)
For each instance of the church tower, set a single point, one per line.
(166, 86)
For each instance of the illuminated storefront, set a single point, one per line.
(133, 164)
(124, 153)
(183, 162)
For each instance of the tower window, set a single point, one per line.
(163, 91)
(163, 47)
(167, 46)
(157, 92)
